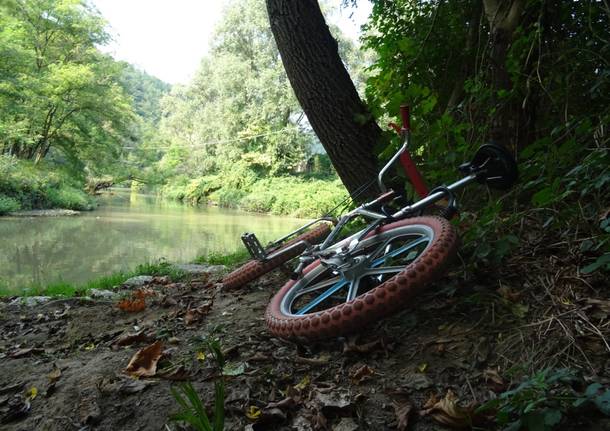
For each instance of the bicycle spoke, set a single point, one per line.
(400, 250)
(353, 289)
(386, 270)
(334, 288)
(325, 291)
(317, 286)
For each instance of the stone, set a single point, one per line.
(138, 281)
(101, 294)
(30, 301)
(192, 268)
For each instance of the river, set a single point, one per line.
(126, 229)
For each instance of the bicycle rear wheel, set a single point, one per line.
(386, 269)
(255, 268)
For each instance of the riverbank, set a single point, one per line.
(303, 196)
(466, 341)
(27, 186)
(109, 286)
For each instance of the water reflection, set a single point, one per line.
(126, 230)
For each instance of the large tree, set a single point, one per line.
(58, 93)
(325, 90)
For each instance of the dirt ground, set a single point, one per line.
(472, 335)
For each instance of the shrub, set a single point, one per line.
(8, 204)
(69, 198)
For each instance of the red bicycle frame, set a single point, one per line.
(405, 158)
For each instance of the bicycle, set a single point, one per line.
(341, 285)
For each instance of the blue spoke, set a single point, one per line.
(398, 251)
(343, 282)
(335, 287)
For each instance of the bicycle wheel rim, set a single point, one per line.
(404, 241)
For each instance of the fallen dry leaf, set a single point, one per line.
(144, 362)
(143, 293)
(132, 338)
(358, 374)
(351, 346)
(54, 375)
(253, 413)
(194, 315)
(402, 410)
(494, 380)
(448, 412)
(32, 393)
(132, 305)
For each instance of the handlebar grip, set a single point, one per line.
(406, 117)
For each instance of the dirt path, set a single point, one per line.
(473, 338)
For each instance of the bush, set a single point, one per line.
(228, 198)
(69, 198)
(40, 186)
(8, 204)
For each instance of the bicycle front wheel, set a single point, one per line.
(383, 273)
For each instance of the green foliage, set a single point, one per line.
(304, 196)
(192, 410)
(60, 97)
(161, 268)
(8, 204)
(437, 57)
(30, 186)
(109, 282)
(230, 259)
(541, 401)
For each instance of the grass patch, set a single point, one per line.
(230, 259)
(108, 282)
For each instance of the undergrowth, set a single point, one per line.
(25, 186)
(192, 410)
(544, 399)
(227, 259)
(297, 196)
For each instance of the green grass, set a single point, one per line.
(229, 259)
(63, 289)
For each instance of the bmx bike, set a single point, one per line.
(343, 284)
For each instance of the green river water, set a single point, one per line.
(126, 229)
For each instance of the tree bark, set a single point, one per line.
(325, 90)
(503, 18)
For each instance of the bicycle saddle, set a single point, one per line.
(494, 165)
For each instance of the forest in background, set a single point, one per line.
(74, 119)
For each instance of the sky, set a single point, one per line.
(168, 38)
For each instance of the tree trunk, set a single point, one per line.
(325, 90)
(469, 57)
(503, 17)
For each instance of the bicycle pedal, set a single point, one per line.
(254, 247)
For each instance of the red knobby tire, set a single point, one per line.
(254, 268)
(390, 283)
